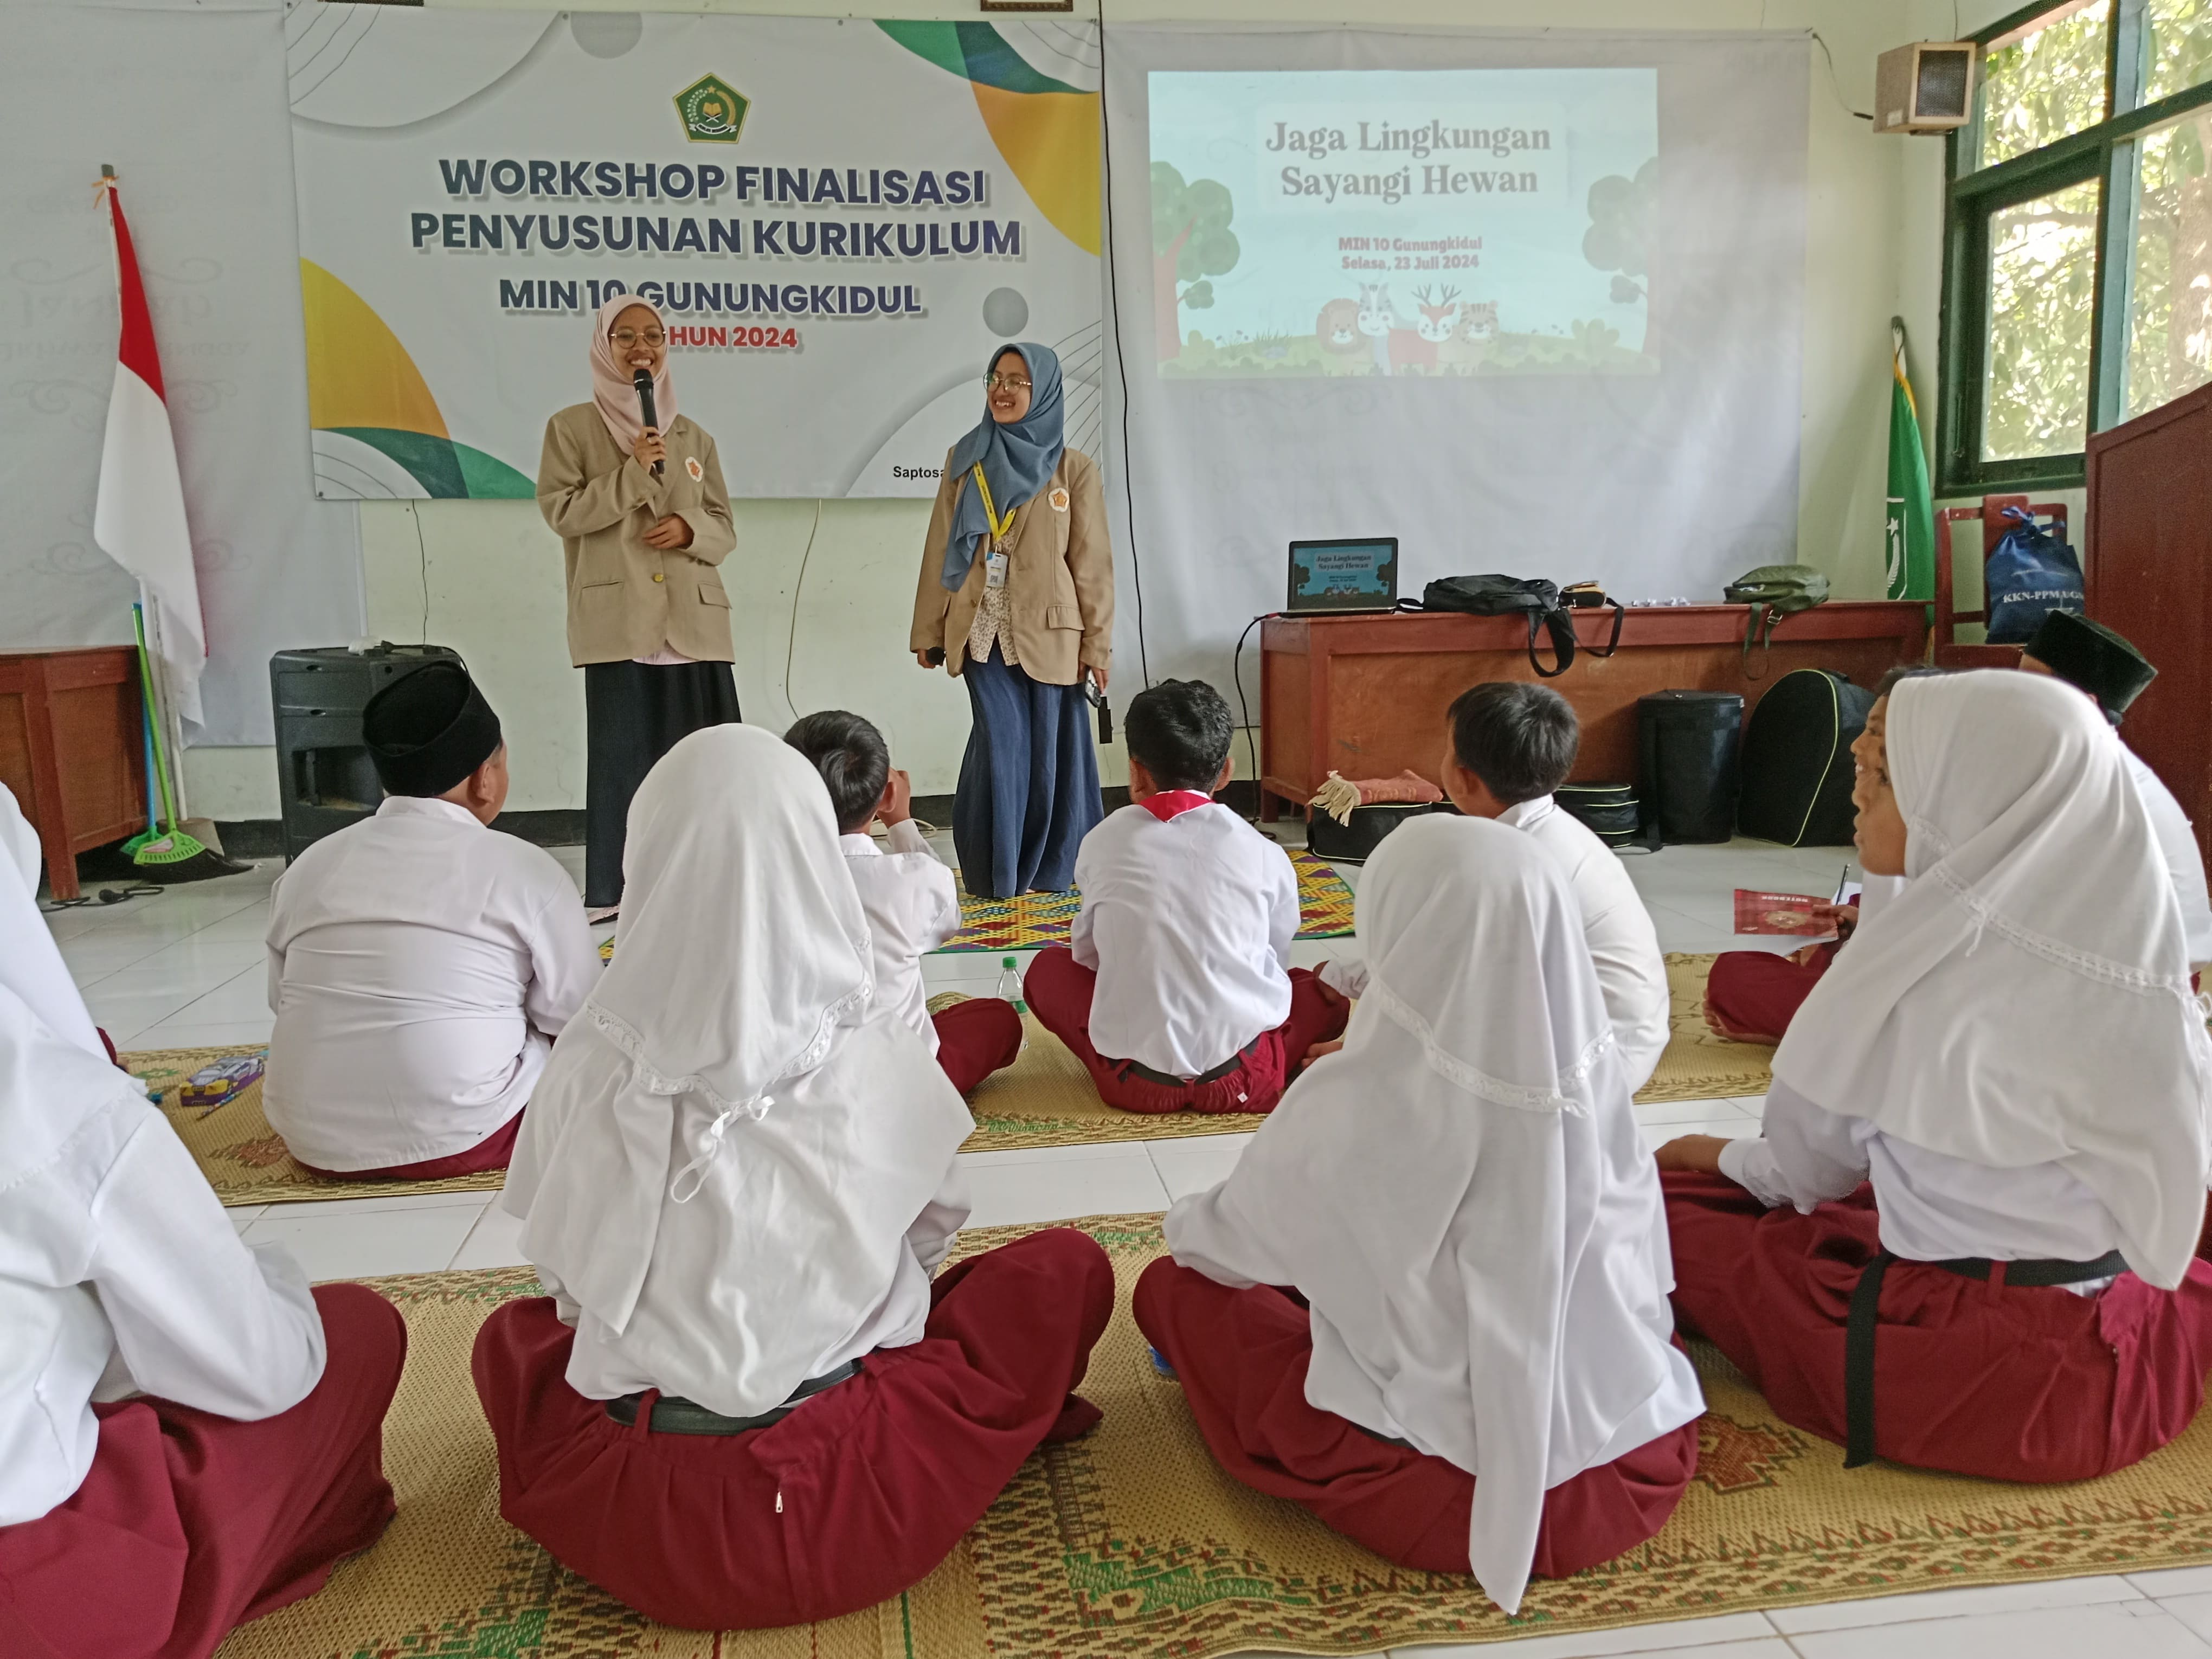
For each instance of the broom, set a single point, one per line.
(174, 855)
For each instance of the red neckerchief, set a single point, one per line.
(1170, 802)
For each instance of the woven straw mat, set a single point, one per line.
(1131, 1541)
(243, 1158)
(1045, 1098)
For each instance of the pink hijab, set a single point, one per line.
(613, 390)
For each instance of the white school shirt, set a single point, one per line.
(2176, 846)
(1188, 924)
(419, 966)
(119, 1275)
(1934, 1207)
(912, 908)
(1631, 974)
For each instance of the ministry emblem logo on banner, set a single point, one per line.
(713, 111)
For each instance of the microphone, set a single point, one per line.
(643, 381)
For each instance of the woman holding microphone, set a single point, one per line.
(1016, 599)
(643, 520)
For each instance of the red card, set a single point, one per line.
(1779, 913)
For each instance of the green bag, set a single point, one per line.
(1774, 592)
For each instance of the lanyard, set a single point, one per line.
(998, 526)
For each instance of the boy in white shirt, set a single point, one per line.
(1508, 745)
(420, 962)
(908, 894)
(1175, 989)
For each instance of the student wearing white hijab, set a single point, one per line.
(2010, 1054)
(1477, 1370)
(743, 1402)
(18, 840)
(189, 1437)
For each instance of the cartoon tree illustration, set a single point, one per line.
(1192, 243)
(1621, 212)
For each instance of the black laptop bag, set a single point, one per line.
(1796, 763)
(1514, 596)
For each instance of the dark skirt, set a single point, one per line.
(1029, 783)
(634, 713)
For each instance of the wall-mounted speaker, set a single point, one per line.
(1925, 88)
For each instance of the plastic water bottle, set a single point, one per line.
(1009, 986)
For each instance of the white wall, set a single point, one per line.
(494, 571)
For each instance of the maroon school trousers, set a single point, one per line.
(1242, 1358)
(975, 1038)
(494, 1152)
(190, 1524)
(1972, 1376)
(1755, 994)
(1059, 989)
(849, 1500)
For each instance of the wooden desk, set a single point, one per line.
(72, 750)
(1366, 695)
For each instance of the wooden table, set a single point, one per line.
(72, 749)
(1366, 695)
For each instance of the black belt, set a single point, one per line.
(673, 1415)
(1228, 1067)
(1865, 1320)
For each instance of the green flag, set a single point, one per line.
(1909, 549)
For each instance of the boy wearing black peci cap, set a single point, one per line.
(420, 963)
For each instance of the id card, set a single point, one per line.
(994, 570)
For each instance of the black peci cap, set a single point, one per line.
(428, 731)
(2093, 657)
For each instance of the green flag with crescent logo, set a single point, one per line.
(1909, 551)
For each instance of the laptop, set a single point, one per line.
(1344, 576)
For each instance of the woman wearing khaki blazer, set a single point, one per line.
(1017, 598)
(648, 620)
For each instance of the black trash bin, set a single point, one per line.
(1686, 745)
(324, 777)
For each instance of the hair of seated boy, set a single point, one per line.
(1179, 732)
(1518, 740)
(853, 759)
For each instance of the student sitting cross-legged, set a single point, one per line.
(1430, 1304)
(906, 894)
(1963, 1238)
(744, 1402)
(1507, 745)
(190, 1438)
(420, 962)
(1176, 989)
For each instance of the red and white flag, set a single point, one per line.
(139, 520)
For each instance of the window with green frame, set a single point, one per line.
(2077, 284)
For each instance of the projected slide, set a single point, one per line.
(1388, 223)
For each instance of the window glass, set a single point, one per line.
(2045, 82)
(2042, 289)
(2178, 50)
(2170, 303)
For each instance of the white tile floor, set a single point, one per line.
(185, 968)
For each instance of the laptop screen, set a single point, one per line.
(1344, 576)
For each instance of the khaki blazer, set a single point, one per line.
(626, 600)
(1060, 578)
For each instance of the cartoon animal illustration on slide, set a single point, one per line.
(1344, 349)
(1474, 336)
(1377, 317)
(1413, 351)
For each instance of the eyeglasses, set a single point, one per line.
(627, 337)
(1013, 383)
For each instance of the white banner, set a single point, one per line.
(1530, 304)
(838, 218)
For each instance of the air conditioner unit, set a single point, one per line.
(1925, 88)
